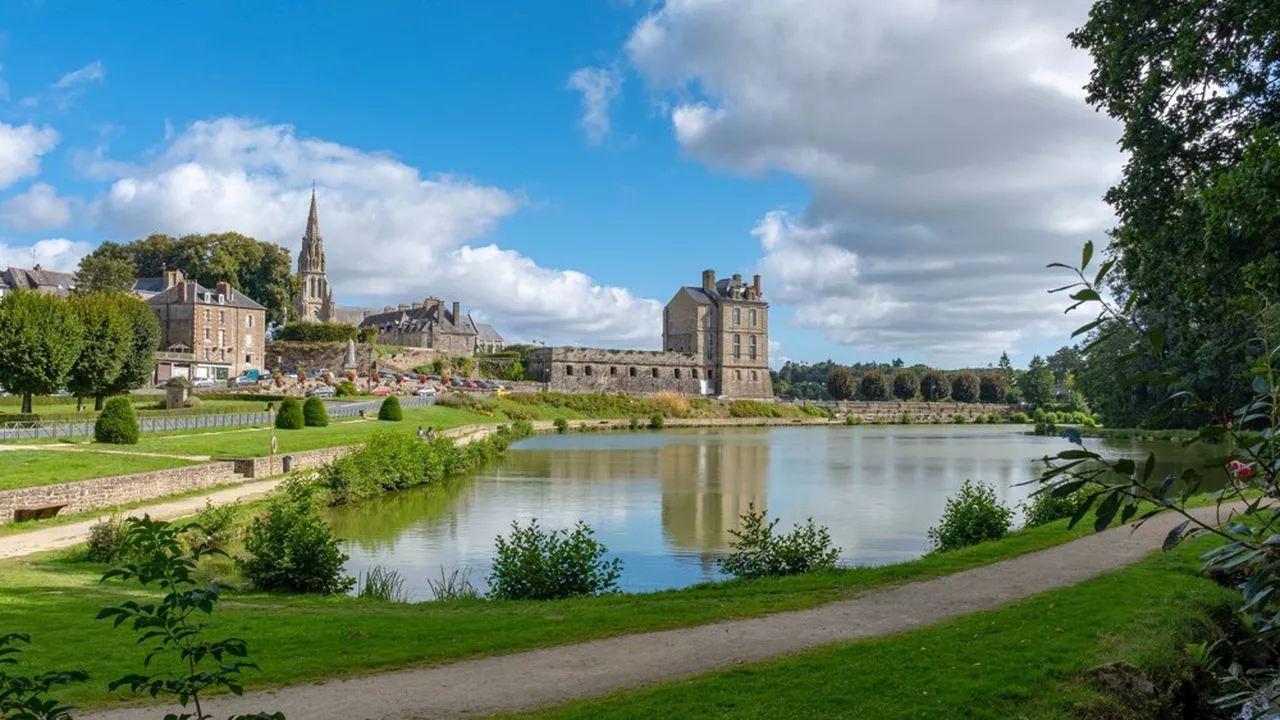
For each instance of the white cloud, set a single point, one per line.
(39, 208)
(58, 254)
(20, 149)
(67, 89)
(391, 236)
(947, 147)
(599, 88)
(93, 72)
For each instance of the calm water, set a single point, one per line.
(665, 502)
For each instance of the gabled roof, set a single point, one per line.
(697, 294)
(204, 296)
(38, 279)
(149, 285)
(420, 318)
(486, 333)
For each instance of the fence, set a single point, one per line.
(36, 430)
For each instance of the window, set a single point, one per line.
(222, 338)
(695, 373)
(737, 316)
(737, 346)
(613, 371)
(207, 333)
(677, 373)
(222, 315)
(751, 316)
(587, 370)
(248, 341)
(711, 374)
(248, 321)
(633, 372)
(710, 348)
(568, 370)
(655, 372)
(208, 316)
(208, 354)
(222, 354)
(737, 374)
(751, 348)
(248, 359)
(753, 376)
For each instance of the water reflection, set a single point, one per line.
(665, 502)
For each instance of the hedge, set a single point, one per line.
(314, 414)
(117, 423)
(290, 416)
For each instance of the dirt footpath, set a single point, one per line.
(543, 677)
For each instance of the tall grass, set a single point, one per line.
(382, 584)
(455, 585)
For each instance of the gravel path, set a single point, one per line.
(543, 677)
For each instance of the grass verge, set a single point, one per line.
(30, 468)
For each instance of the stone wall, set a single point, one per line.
(105, 492)
(919, 411)
(639, 372)
(267, 466)
(290, 355)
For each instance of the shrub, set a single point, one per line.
(633, 422)
(840, 384)
(346, 388)
(518, 413)
(753, 408)
(291, 548)
(1020, 418)
(368, 335)
(1044, 507)
(672, 404)
(117, 424)
(656, 422)
(535, 564)
(289, 416)
(314, 414)
(382, 584)
(980, 420)
(905, 419)
(390, 409)
(213, 528)
(562, 425)
(852, 420)
(874, 386)
(316, 332)
(1046, 422)
(905, 385)
(992, 388)
(935, 386)
(104, 540)
(756, 552)
(959, 419)
(964, 387)
(972, 516)
(521, 429)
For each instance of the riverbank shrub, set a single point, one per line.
(104, 540)
(380, 583)
(1020, 418)
(753, 408)
(656, 421)
(1045, 507)
(852, 420)
(390, 410)
(561, 425)
(633, 423)
(974, 515)
(536, 564)
(756, 552)
(672, 405)
(117, 424)
(292, 549)
(314, 414)
(214, 527)
(289, 416)
(453, 585)
(346, 388)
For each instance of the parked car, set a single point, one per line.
(204, 382)
(427, 391)
(293, 376)
(382, 390)
(321, 391)
(434, 378)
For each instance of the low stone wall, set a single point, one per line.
(105, 492)
(919, 411)
(267, 466)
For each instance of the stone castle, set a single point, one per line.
(715, 341)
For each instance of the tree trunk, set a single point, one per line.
(79, 403)
(97, 403)
(26, 403)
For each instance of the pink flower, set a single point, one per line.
(1239, 469)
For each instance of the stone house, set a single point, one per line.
(38, 279)
(488, 340)
(567, 369)
(207, 332)
(426, 324)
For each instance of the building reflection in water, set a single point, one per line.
(707, 485)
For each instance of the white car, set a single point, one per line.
(205, 382)
(321, 391)
(426, 392)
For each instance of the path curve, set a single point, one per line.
(536, 678)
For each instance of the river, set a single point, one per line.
(664, 502)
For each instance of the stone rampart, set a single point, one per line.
(315, 356)
(591, 370)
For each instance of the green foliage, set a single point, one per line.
(756, 552)
(965, 387)
(656, 421)
(117, 424)
(561, 425)
(536, 564)
(381, 584)
(108, 339)
(992, 388)
(316, 332)
(437, 366)
(1045, 423)
(390, 409)
(1019, 418)
(1045, 507)
(368, 335)
(753, 408)
(935, 386)
(852, 420)
(972, 516)
(874, 386)
(40, 340)
(104, 540)
(905, 385)
(840, 384)
(633, 423)
(959, 419)
(345, 388)
(27, 697)
(291, 548)
(108, 269)
(214, 527)
(454, 585)
(140, 362)
(515, 372)
(289, 416)
(1036, 383)
(314, 413)
(196, 664)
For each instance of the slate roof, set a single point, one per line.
(697, 294)
(420, 318)
(351, 315)
(205, 296)
(486, 333)
(152, 285)
(38, 279)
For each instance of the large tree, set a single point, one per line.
(935, 386)
(261, 270)
(108, 269)
(108, 341)
(905, 385)
(964, 387)
(840, 384)
(874, 385)
(40, 339)
(992, 388)
(139, 366)
(1036, 383)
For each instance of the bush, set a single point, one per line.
(756, 552)
(992, 388)
(117, 424)
(562, 425)
(314, 414)
(874, 386)
(935, 386)
(672, 405)
(518, 413)
(346, 388)
(852, 420)
(1020, 418)
(633, 422)
(905, 385)
(959, 419)
(368, 335)
(656, 422)
(1044, 507)
(521, 429)
(972, 516)
(534, 564)
(390, 409)
(316, 332)
(213, 528)
(289, 416)
(753, 408)
(291, 548)
(1046, 423)
(104, 540)
(965, 387)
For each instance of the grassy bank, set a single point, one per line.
(1028, 660)
(295, 639)
(28, 468)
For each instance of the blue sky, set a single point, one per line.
(451, 156)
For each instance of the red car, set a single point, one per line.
(382, 390)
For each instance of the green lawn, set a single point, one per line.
(28, 468)
(1025, 660)
(297, 639)
(64, 408)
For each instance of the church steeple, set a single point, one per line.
(315, 301)
(311, 257)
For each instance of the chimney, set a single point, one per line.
(457, 313)
(709, 280)
(755, 283)
(186, 291)
(737, 279)
(224, 289)
(171, 278)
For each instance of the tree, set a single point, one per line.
(40, 340)
(992, 388)
(1036, 383)
(108, 340)
(897, 363)
(964, 387)
(1065, 361)
(874, 386)
(840, 384)
(139, 366)
(905, 385)
(935, 386)
(515, 372)
(1006, 369)
(108, 269)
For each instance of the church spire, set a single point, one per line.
(311, 256)
(313, 219)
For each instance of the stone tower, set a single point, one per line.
(315, 300)
(725, 324)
